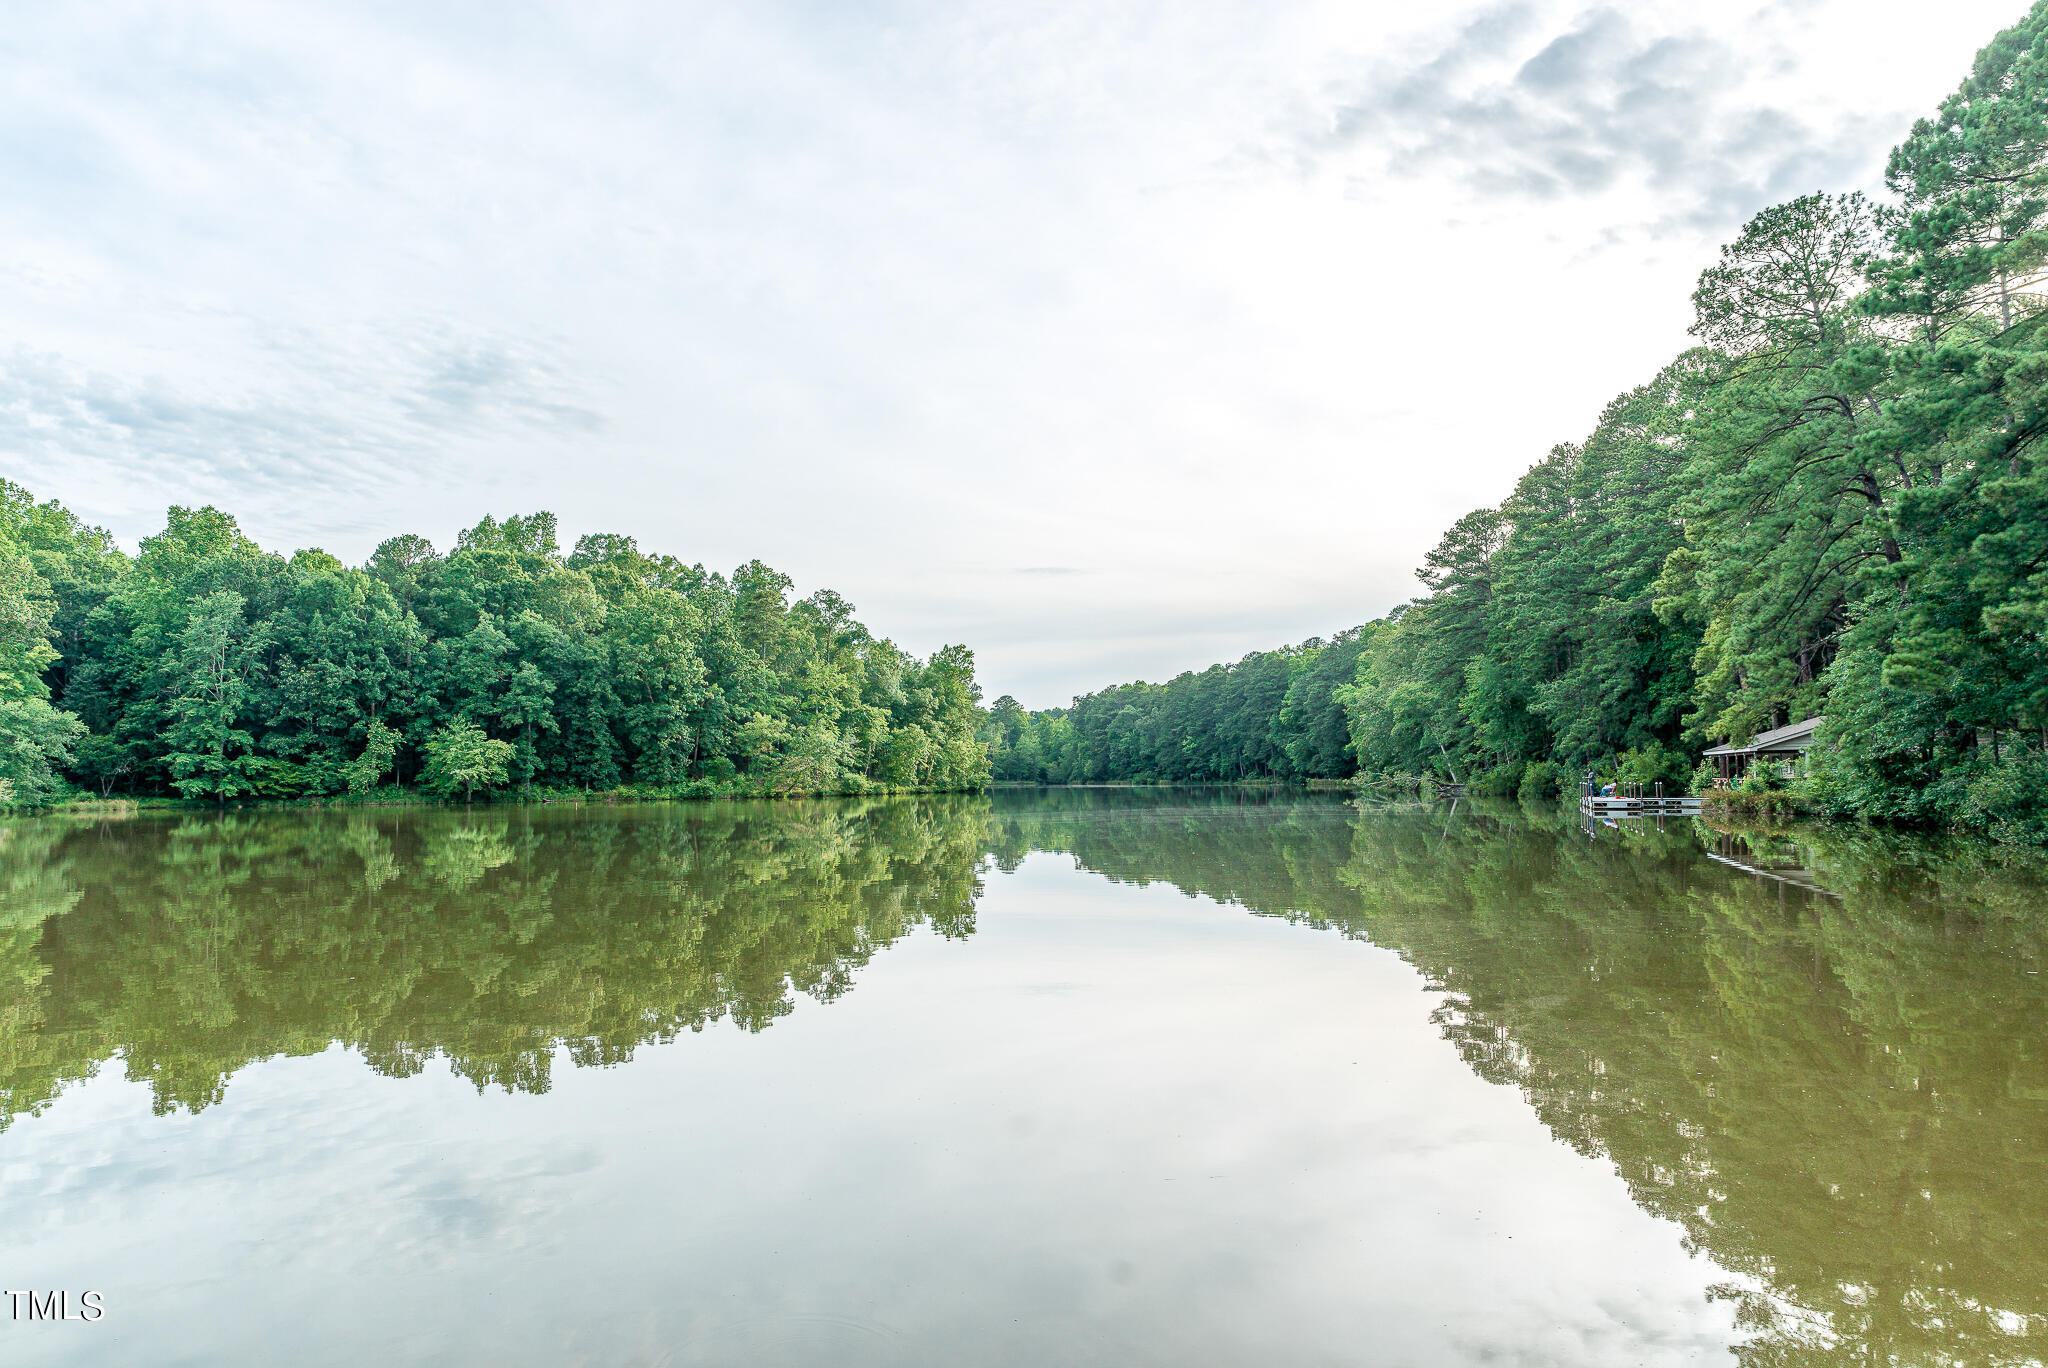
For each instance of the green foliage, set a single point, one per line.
(1503, 782)
(26, 612)
(1761, 779)
(1541, 638)
(210, 668)
(2009, 800)
(1704, 777)
(209, 754)
(1541, 780)
(380, 748)
(36, 743)
(1762, 802)
(1837, 504)
(1654, 764)
(1272, 715)
(460, 756)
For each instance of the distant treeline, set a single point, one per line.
(206, 667)
(1272, 715)
(1835, 504)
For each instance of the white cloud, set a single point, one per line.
(1680, 121)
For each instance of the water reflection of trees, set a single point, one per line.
(192, 947)
(1842, 1098)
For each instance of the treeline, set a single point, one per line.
(1836, 504)
(1272, 715)
(206, 667)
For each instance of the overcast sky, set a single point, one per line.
(1111, 339)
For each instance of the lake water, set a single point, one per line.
(1077, 1077)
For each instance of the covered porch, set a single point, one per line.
(1783, 747)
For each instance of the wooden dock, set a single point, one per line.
(1633, 800)
(1593, 805)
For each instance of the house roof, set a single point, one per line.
(1796, 737)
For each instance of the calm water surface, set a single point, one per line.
(1082, 1077)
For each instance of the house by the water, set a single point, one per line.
(1784, 747)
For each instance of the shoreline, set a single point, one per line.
(103, 807)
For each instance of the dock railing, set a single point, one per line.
(1632, 797)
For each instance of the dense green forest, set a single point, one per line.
(206, 667)
(1272, 715)
(1835, 504)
